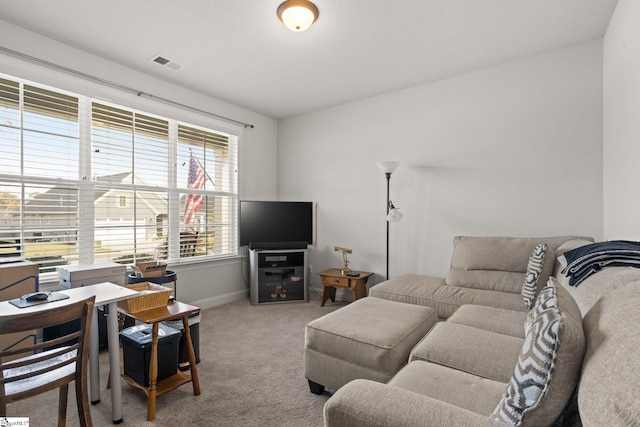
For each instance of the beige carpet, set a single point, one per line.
(251, 374)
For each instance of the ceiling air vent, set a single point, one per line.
(159, 59)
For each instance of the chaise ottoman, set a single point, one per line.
(370, 338)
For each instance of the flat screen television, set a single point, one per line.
(276, 224)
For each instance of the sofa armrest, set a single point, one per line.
(371, 404)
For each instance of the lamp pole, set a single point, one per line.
(388, 175)
(387, 168)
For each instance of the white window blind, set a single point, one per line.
(111, 192)
(39, 141)
(208, 178)
(130, 161)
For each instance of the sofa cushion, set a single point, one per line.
(478, 352)
(432, 292)
(497, 263)
(487, 279)
(608, 391)
(409, 288)
(459, 388)
(363, 403)
(498, 320)
(556, 386)
(531, 276)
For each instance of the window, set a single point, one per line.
(138, 187)
(208, 187)
(130, 169)
(39, 141)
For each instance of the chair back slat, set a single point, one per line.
(34, 366)
(30, 356)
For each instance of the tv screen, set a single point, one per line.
(275, 222)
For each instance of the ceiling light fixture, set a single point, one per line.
(298, 15)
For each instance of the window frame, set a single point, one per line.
(86, 187)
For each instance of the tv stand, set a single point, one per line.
(278, 276)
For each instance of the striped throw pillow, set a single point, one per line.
(532, 374)
(546, 299)
(534, 268)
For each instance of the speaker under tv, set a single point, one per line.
(269, 246)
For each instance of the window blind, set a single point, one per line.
(209, 175)
(130, 161)
(39, 139)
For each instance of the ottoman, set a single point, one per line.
(370, 338)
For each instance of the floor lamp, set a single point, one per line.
(393, 214)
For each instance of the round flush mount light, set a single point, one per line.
(298, 15)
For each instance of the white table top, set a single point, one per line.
(105, 292)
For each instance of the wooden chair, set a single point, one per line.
(35, 368)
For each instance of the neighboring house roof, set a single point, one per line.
(66, 197)
(119, 177)
(56, 196)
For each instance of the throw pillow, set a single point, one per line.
(532, 374)
(530, 285)
(546, 299)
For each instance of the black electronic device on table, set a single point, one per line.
(35, 298)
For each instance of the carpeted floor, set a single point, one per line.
(251, 374)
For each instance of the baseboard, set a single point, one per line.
(220, 299)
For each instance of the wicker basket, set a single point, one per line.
(152, 296)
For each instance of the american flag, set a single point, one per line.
(195, 181)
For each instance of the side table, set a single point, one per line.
(333, 278)
(172, 311)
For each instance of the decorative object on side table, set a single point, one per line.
(333, 278)
(345, 270)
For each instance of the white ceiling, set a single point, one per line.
(238, 51)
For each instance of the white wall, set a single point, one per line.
(622, 123)
(511, 150)
(205, 284)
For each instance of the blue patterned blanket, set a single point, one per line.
(586, 260)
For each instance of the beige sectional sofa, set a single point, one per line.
(469, 369)
(486, 271)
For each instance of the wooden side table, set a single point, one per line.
(172, 311)
(332, 279)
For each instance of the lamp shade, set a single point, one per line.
(298, 15)
(394, 214)
(387, 166)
